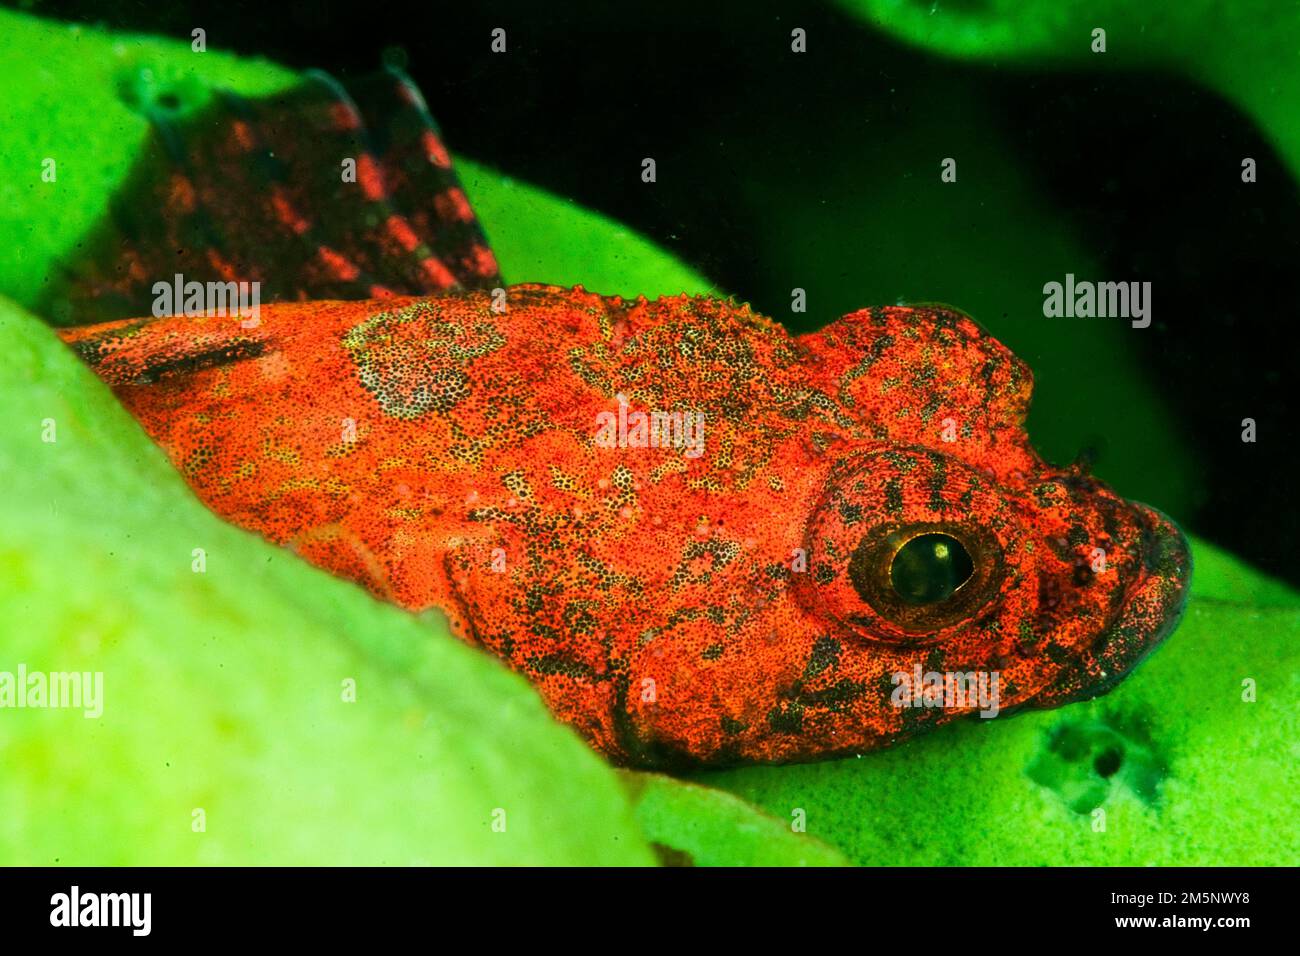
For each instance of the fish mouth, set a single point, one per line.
(1151, 612)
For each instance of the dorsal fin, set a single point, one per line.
(254, 190)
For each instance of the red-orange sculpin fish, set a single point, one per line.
(702, 539)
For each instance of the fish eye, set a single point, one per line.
(909, 547)
(923, 577)
(930, 568)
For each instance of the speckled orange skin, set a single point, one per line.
(649, 595)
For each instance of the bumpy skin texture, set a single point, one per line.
(444, 454)
(439, 445)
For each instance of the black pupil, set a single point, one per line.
(929, 568)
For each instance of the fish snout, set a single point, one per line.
(1150, 613)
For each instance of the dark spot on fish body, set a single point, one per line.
(777, 572)
(578, 618)
(561, 664)
(546, 632)
(786, 718)
(1083, 574)
(835, 697)
(825, 654)
(1057, 654)
(191, 362)
(1027, 637)
(938, 482)
(1045, 494)
(732, 726)
(894, 497)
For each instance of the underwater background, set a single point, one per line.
(776, 171)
